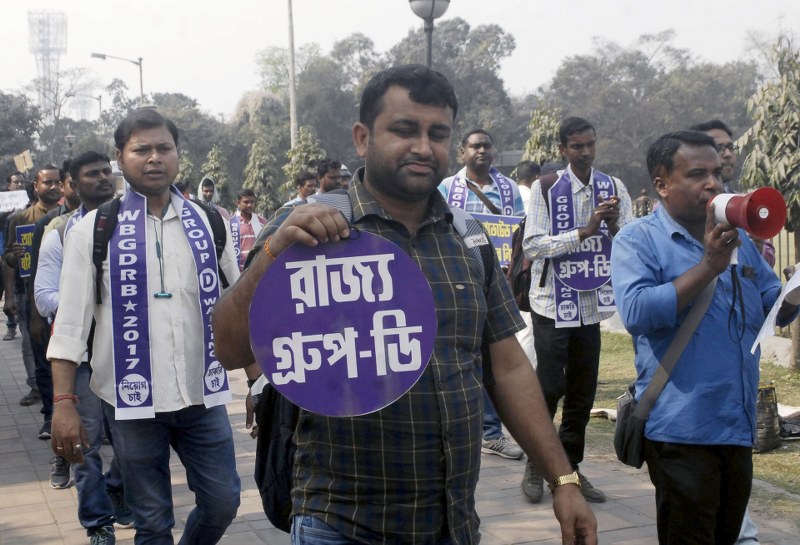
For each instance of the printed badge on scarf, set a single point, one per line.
(130, 300)
(588, 268)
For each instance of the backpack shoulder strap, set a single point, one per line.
(473, 234)
(547, 181)
(62, 228)
(104, 224)
(338, 199)
(219, 233)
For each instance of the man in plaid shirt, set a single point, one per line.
(407, 473)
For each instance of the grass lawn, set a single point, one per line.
(780, 467)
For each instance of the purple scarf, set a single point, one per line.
(457, 195)
(130, 299)
(588, 268)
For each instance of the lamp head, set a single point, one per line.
(429, 9)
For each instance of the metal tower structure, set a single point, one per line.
(47, 42)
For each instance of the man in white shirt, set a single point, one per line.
(591, 207)
(100, 497)
(153, 360)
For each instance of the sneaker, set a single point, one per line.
(121, 511)
(590, 493)
(502, 446)
(532, 483)
(30, 398)
(44, 432)
(60, 477)
(102, 536)
(10, 334)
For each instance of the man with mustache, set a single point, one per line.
(480, 188)
(699, 434)
(100, 498)
(48, 188)
(407, 473)
(153, 363)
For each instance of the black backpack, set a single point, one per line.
(518, 273)
(277, 417)
(106, 221)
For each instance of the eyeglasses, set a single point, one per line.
(729, 146)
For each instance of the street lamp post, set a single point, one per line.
(103, 56)
(428, 10)
(70, 139)
(98, 98)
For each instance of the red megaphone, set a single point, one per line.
(762, 212)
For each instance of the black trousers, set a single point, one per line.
(701, 491)
(568, 361)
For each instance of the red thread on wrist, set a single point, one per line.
(62, 397)
(266, 248)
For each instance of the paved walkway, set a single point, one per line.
(32, 513)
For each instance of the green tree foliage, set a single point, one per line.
(273, 66)
(54, 94)
(259, 114)
(186, 171)
(357, 60)
(470, 58)
(324, 103)
(122, 104)
(19, 121)
(773, 141)
(632, 95)
(261, 177)
(542, 146)
(216, 167)
(198, 131)
(302, 156)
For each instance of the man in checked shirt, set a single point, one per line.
(406, 474)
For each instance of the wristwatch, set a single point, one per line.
(572, 478)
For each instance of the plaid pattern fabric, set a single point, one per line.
(539, 244)
(407, 473)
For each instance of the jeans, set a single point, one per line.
(25, 336)
(308, 530)
(204, 443)
(568, 360)
(94, 506)
(492, 425)
(701, 491)
(44, 376)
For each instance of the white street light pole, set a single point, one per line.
(292, 93)
(103, 56)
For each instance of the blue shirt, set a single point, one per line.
(710, 398)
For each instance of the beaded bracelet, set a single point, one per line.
(62, 397)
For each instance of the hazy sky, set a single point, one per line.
(206, 49)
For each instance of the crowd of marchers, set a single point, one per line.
(108, 288)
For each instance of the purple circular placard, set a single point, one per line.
(587, 269)
(343, 329)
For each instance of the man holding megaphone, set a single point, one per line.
(723, 140)
(700, 432)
